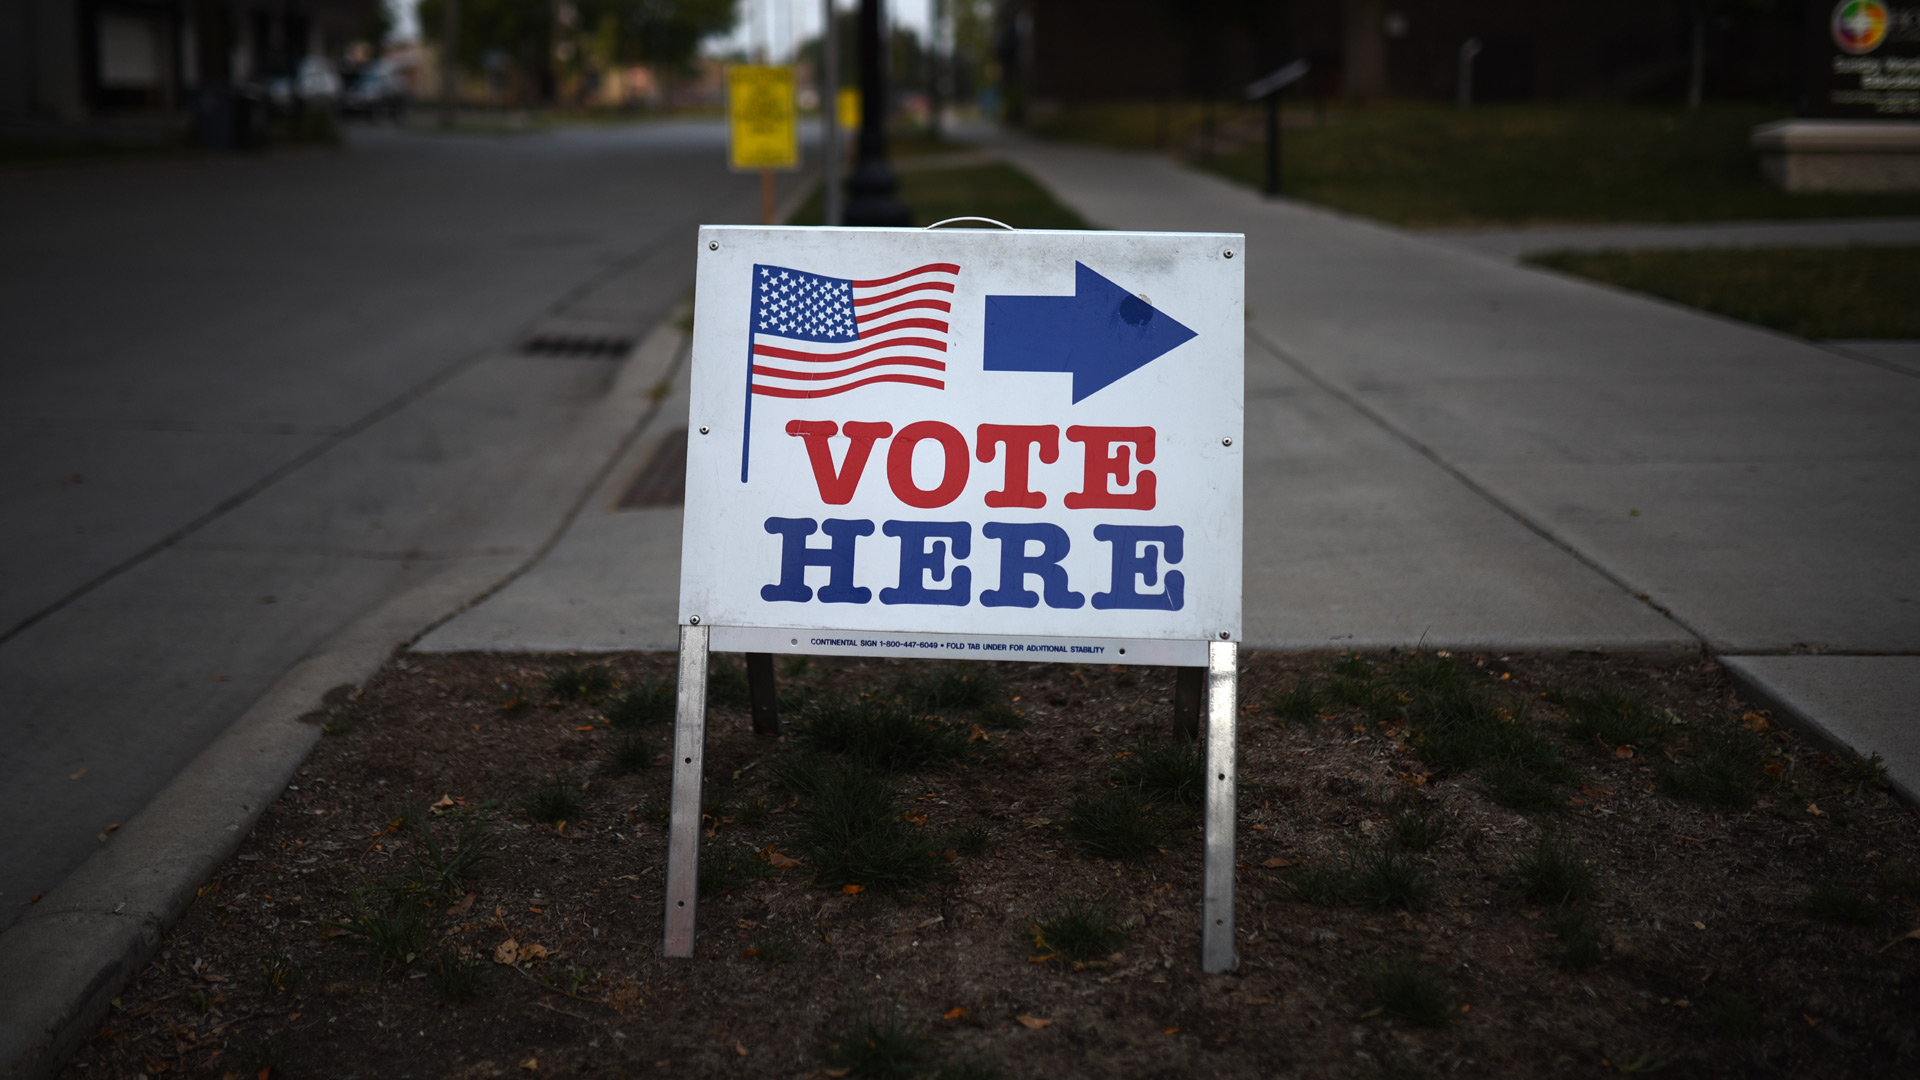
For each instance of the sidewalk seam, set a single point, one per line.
(1380, 420)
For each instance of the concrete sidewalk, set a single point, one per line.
(1450, 450)
(1516, 244)
(1760, 492)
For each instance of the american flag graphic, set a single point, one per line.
(814, 336)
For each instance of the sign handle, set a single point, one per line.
(766, 197)
(683, 828)
(1216, 906)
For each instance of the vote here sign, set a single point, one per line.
(966, 443)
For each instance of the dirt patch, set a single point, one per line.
(1685, 886)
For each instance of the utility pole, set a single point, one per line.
(831, 157)
(871, 198)
(449, 48)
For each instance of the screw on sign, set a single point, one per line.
(972, 444)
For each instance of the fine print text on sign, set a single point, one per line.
(977, 444)
(762, 127)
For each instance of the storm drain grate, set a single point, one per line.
(664, 481)
(577, 346)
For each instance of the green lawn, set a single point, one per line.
(1857, 292)
(1433, 165)
(997, 191)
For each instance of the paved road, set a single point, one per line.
(247, 400)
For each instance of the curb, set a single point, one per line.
(1788, 710)
(62, 964)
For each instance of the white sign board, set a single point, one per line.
(966, 443)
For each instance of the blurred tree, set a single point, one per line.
(663, 33)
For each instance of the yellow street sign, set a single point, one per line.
(849, 108)
(761, 120)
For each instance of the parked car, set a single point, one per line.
(375, 91)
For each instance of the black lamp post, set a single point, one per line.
(870, 190)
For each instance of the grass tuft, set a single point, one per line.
(725, 868)
(882, 735)
(1298, 704)
(970, 839)
(727, 684)
(1551, 873)
(629, 754)
(456, 978)
(853, 831)
(1415, 827)
(584, 683)
(950, 689)
(880, 1046)
(1722, 769)
(554, 800)
(1576, 939)
(1840, 905)
(650, 703)
(1611, 717)
(391, 925)
(1380, 879)
(446, 871)
(1407, 990)
(1171, 772)
(1114, 825)
(1385, 879)
(278, 971)
(1730, 1014)
(1080, 932)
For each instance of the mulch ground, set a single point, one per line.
(1767, 941)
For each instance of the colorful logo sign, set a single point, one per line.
(1859, 26)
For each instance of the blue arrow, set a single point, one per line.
(1102, 333)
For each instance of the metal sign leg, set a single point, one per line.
(683, 828)
(1216, 906)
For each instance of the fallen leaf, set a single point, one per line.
(1172, 1031)
(1275, 864)
(1624, 753)
(78, 775)
(1466, 1008)
(853, 890)
(335, 931)
(781, 862)
(1815, 810)
(531, 1064)
(916, 817)
(835, 1073)
(978, 734)
(1033, 1023)
(954, 1013)
(506, 952)
(1698, 925)
(460, 909)
(1911, 935)
(1755, 721)
(584, 727)
(1811, 1022)
(739, 1049)
(445, 803)
(535, 910)
(530, 952)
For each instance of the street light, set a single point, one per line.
(871, 199)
